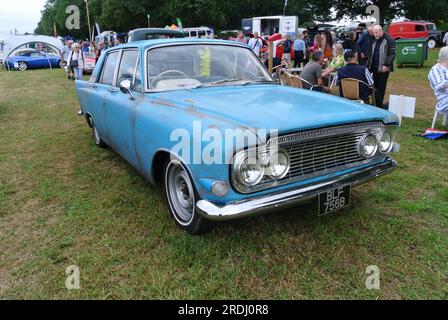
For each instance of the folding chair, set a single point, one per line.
(296, 82)
(436, 114)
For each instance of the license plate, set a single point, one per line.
(334, 200)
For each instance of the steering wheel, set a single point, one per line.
(166, 72)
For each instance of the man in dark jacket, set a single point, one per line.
(363, 46)
(354, 71)
(381, 62)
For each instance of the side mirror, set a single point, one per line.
(126, 87)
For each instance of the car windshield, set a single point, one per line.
(431, 27)
(197, 66)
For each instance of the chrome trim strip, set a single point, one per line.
(291, 198)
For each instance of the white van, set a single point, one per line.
(201, 32)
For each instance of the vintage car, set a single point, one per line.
(31, 59)
(153, 34)
(165, 105)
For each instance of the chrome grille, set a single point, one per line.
(324, 151)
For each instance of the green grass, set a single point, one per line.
(65, 202)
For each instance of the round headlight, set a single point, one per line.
(278, 165)
(386, 142)
(369, 146)
(247, 172)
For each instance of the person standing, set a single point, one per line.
(381, 62)
(327, 44)
(240, 38)
(438, 78)
(99, 51)
(363, 46)
(299, 51)
(287, 47)
(65, 54)
(350, 43)
(308, 46)
(255, 44)
(77, 61)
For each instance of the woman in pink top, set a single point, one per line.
(240, 38)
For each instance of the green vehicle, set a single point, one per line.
(411, 52)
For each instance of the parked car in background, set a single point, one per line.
(416, 29)
(201, 32)
(25, 59)
(90, 59)
(153, 33)
(147, 98)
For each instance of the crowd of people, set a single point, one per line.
(367, 54)
(73, 55)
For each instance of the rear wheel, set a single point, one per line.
(22, 66)
(432, 43)
(181, 197)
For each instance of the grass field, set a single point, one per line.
(65, 202)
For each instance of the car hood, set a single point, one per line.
(272, 107)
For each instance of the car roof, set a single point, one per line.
(412, 22)
(145, 44)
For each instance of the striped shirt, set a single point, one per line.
(438, 78)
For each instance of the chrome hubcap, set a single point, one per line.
(22, 66)
(180, 193)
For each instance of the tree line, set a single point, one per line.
(122, 16)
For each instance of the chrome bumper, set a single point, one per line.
(291, 198)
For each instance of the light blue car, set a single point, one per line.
(204, 119)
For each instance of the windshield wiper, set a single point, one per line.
(211, 84)
(259, 82)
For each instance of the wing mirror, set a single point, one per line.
(126, 87)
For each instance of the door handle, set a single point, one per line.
(112, 90)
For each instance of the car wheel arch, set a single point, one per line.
(89, 119)
(158, 162)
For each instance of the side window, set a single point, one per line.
(420, 28)
(138, 77)
(201, 33)
(107, 77)
(193, 34)
(127, 66)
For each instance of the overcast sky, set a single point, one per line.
(22, 15)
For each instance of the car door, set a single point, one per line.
(120, 107)
(98, 91)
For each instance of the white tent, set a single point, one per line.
(15, 42)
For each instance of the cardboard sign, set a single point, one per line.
(402, 106)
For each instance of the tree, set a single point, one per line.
(352, 8)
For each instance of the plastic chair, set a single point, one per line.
(434, 121)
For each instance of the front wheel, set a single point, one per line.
(22, 66)
(432, 43)
(181, 197)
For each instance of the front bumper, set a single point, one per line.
(291, 198)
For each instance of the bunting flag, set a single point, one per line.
(434, 134)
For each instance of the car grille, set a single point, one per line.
(324, 151)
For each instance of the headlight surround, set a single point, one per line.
(278, 165)
(369, 146)
(386, 143)
(248, 174)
